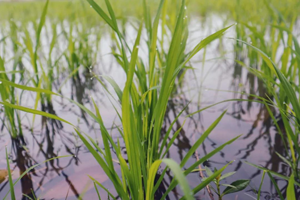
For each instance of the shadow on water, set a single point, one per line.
(23, 162)
(46, 150)
(48, 139)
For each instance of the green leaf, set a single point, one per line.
(201, 139)
(96, 182)
(32, 111)
(276, 186)
(95, 186)
(284, 159)
(102, 14)
(112, 176)
(115, 86)
(193, 166)
(274, 173)
(291, 189)
(238, 185)
(23, 87)
(226, 175)
(261, 184)
(228, 185)
(38, 34)
(208, 171)
(205, 42)
(179, 175)
(205, 182)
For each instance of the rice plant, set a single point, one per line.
(143, 108)
(155, 59)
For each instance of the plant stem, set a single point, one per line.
(218, 189)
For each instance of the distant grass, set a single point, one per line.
(254, 11)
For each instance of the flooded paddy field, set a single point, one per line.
(115, 101)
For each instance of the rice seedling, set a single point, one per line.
(141, 126)
(234, 187)
(8, 94)
(272, 56)
(143, 110)
(284, 94)
(155, 57)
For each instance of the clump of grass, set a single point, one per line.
(149, 86)
(281, 82)
(143, 108)
(143, 105)
(7, 93)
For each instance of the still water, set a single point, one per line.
(217, 77)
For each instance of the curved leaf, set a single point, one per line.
(238, 185)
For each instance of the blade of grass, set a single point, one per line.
(11, 185)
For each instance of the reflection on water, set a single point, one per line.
(207, 84)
